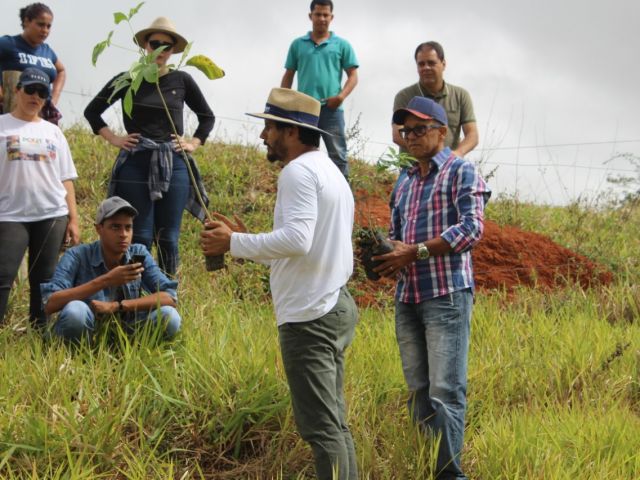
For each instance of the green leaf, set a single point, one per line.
(97, 51)
(128, 102)
(186, 51)
(151, 73)
(136, 81)
(151, 57)
(206, 66)
(119, 17)
(134, 10)
(393, 159)
(122, 81)
(99, 48)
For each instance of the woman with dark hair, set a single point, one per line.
(150, 171)
(29, 49)
(37, 197)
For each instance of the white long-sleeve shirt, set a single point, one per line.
(309, 249)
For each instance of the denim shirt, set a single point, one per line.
(81, 264)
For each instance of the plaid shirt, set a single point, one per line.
(448, 202)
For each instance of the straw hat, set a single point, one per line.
(162, 25)
(293, 107)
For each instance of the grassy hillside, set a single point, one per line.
(554, 388)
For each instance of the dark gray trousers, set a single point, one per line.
(313, 356)
(43, 239)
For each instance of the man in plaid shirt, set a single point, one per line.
(437, 215)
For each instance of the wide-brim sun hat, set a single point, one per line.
(292, 107)
(161, 25)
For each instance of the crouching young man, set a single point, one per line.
(106, 277)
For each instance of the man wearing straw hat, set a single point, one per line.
(311, 258)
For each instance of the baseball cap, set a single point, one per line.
(33, 76)
(421, 107)
(112, 205)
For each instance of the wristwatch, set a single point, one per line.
(423, 251)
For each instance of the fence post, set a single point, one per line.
(9, 82)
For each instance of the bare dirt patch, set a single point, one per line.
(504, 259)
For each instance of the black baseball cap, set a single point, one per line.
(33, 76)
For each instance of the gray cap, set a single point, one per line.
(112, 205)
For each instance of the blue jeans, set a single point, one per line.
(433, 337)
(313, 357)
(332, 121)
(43, 239)
(77, 320)
(158, 221)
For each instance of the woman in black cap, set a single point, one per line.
(150, 171)
(37, 198)
(29, 50)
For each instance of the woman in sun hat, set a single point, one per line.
(29, 49)
(37, 199)
(150, 171)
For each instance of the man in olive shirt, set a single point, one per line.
(429, 57)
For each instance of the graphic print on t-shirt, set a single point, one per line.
(33, 149)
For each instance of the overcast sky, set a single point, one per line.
(540, 73)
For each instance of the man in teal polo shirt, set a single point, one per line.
(319, 57)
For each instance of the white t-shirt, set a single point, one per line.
(309, 249)
(34, 161)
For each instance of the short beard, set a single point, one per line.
(276, 155)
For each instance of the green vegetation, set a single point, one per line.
(554, 387)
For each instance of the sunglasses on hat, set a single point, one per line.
(43, 92)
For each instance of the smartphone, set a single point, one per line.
(137, 259)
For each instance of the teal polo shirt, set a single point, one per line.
(320, 66)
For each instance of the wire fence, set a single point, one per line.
(515, 169)
(481, 155)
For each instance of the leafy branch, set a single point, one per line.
(145, 68)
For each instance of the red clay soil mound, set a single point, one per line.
(505, 258)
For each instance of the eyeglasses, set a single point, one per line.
(418, 130)
(43, 92)
(155, 44)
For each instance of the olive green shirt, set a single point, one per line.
(455, 100)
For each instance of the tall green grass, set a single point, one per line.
(554, 379)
